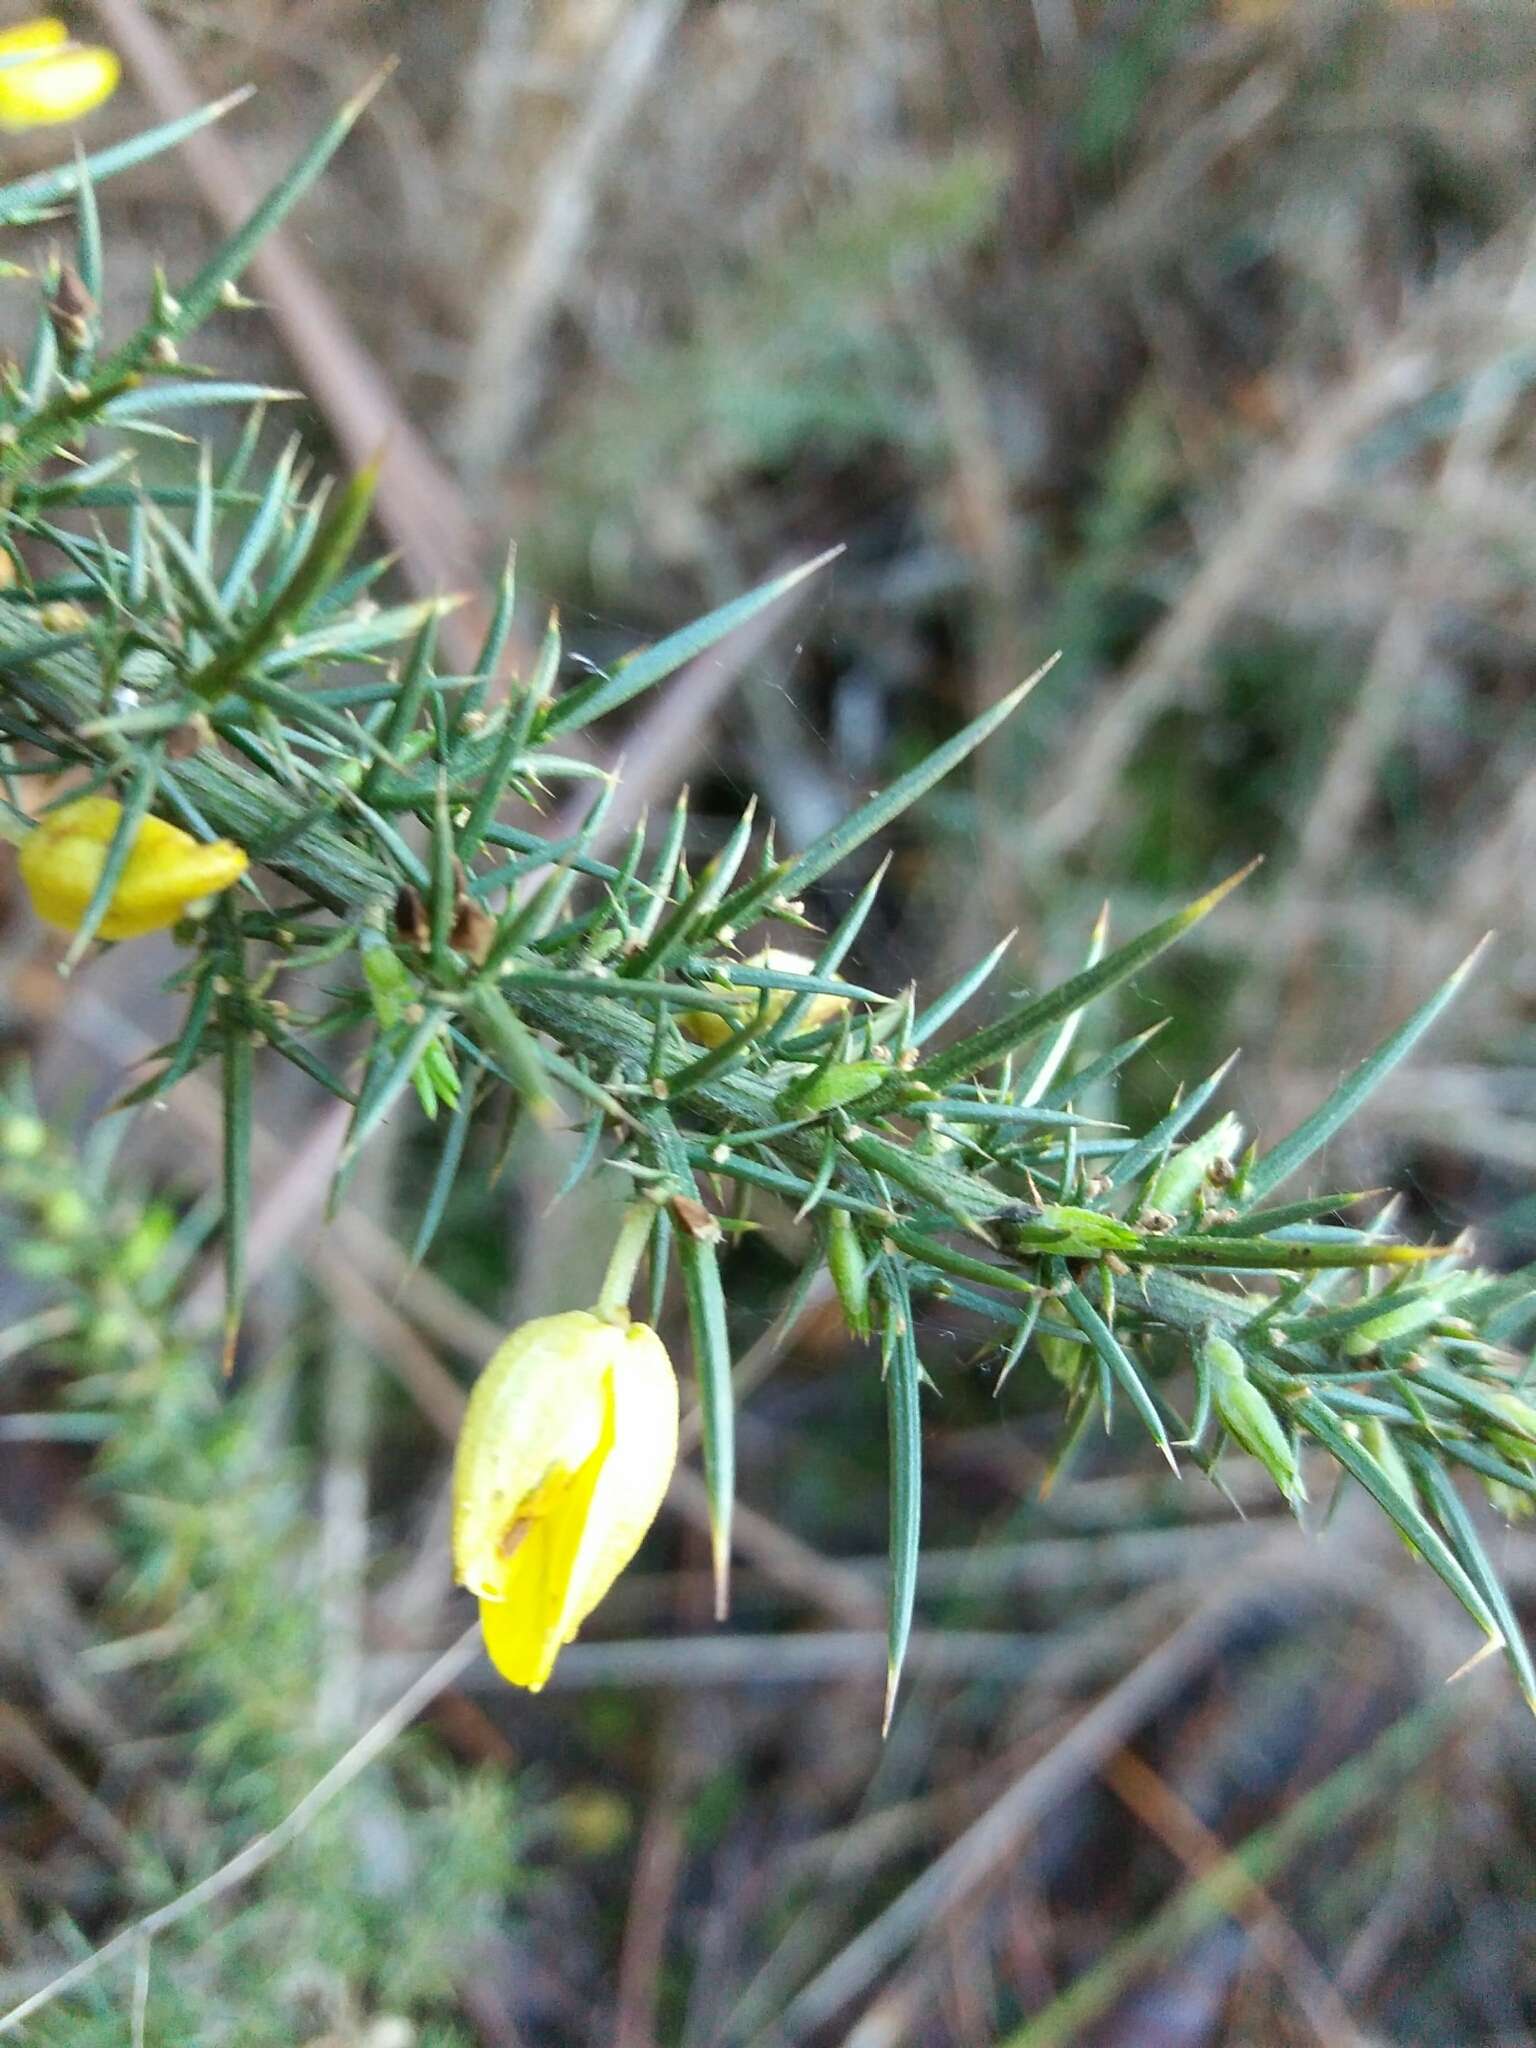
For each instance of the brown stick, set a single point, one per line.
(1176, 1824)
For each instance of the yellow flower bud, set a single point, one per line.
(60, 82)
(166, 873)
(61, 616)
(711, 1028)
(566, 1450)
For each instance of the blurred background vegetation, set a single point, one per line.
(1196, 339)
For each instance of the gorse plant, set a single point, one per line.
(206, 653)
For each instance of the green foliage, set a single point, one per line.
(216, 1555)
(220, 662)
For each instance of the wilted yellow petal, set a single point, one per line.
(60, 84)
(166, 872)
(567, 1447)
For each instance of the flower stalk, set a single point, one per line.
(629, 1246)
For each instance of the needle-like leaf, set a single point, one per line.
(1309, 1137)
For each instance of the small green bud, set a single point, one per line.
(1379, 1441)
(1186, 1172)
(1220, 1356)
(1086, 1231)
(830, 1087)
(389, 979)
(1404, 1317)
(435, 1078)
(1248, 1417)
(849, 1270)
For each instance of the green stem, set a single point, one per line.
(624, 1261)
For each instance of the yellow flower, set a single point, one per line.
(59, 79)
(567, 1447)
(710, 1027)
(166, 873)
